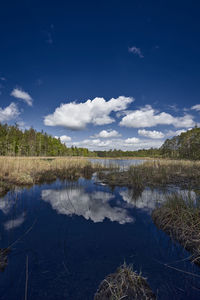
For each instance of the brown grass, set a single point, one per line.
(124, 284)
(180, 218)
(28, 171)
(4, 258)
(156, 173)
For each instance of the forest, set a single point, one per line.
(15, 142)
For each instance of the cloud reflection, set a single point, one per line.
(11, 224)
(94, 206)
(149, 199)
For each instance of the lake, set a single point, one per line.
(67, 237)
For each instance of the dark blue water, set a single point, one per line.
(69, 236)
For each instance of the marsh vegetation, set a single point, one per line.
(73, 204)
(155, 173)
(26, 171)
(124, 284)
(4, 258)
(179, 216)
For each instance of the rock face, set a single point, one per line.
(124, 284)
(4, 258)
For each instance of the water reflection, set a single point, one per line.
(6, 204)
(146, 201)
(13, 223)
(149, 199)
(95, 206)
(122, 164)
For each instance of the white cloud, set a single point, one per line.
(151, 134)
(20, 94)
(196, 107)
(9, 113)
(76, 116)
(132, 140)
(64, 138)
(148, 117)
(136, 51)
(122, 144)
(107, 134)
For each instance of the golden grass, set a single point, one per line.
(30, 170)
(179, 217)
(155, 173)
(124, 284)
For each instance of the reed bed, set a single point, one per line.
(28, 171)
(124, 284)
(179, 217)
(156, 173)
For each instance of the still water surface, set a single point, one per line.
(71, 235)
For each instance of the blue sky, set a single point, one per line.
(101, 74)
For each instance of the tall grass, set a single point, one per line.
(157, 172)
(179, 217)
(27, 171)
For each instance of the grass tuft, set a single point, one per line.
(124, 284)
(179, 217)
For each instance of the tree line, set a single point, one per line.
(184, 146)
(15, 142)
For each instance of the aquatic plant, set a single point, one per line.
(156, 173)
(179, 217)
(124, 284)
(28, 171)
(4, 258)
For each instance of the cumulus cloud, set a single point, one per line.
(76, 116)
(196, 107)
(107, 134)
(133, 140)
(148, 117)
(136, 51)
(20, 94)
(9, 113)
(152, 134)
(121, 144)
(64, 138)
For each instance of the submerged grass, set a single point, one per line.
(4, 258)
(23, 171)
(156, 173)
(124, 284)
(179, 217)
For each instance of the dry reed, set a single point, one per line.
(179, 217)
(124, 284)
